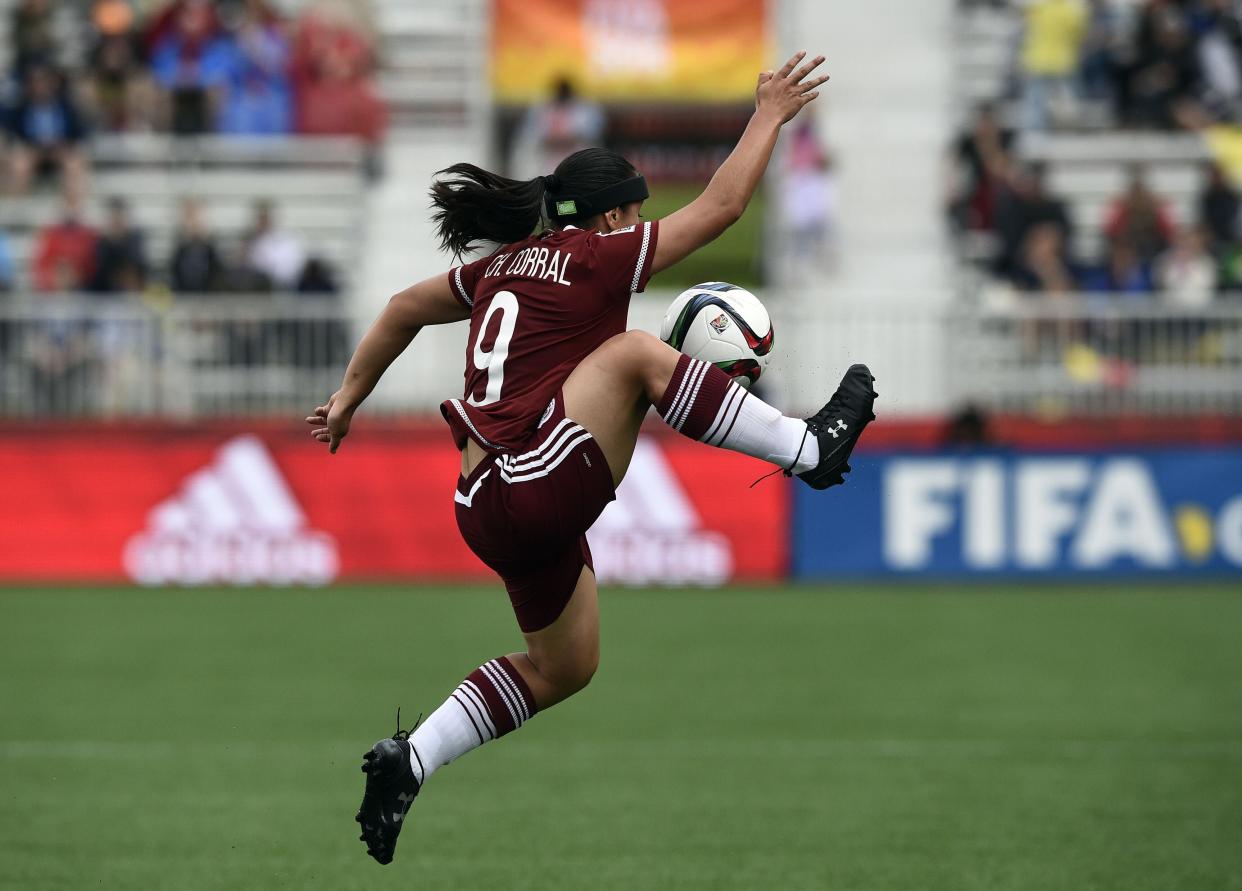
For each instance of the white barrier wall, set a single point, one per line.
(817, 337)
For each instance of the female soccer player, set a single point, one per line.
(556, 389)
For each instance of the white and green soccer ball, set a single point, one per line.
(722, 324)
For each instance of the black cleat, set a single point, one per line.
(391, 789)
(838, 425)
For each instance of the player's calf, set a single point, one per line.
(704, 403)
(492, 700)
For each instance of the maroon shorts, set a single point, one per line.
(525, 514)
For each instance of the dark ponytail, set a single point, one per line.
(474, 205)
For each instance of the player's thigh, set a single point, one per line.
(608, 395)
(566, 652)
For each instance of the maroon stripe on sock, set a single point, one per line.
(737, 411)
(670, 392)
(516, 677)
(727, 412)
(502, 705)
(473, 722)
(704, 402)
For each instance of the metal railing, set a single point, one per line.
(113, 357)
(210, 355)
(1098, 354)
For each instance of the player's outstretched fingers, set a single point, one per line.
(807, 69)
(792, 63)
(812, 84)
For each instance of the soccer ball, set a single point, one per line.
(722, 324)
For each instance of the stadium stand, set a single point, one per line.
(317, 188)
(947, 338)
(1026, 337)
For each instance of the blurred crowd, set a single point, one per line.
(82, 69)
(1162, 64)
(1143, 249)
(71, 256)
(186, 67)
(65, 360)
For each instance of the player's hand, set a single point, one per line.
(330, 422)
(784, 93)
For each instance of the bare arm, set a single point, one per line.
(778, 99)
(429, 302)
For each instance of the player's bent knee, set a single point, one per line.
(570, 675)
(632, 347)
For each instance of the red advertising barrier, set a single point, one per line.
(199, 506)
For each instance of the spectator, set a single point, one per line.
(239, 276)
(809, 200)
(120, 253)
(1140, 219)
(317, 278)
(331, 64)
(1220, 36)
(118, 83)
(257, 98)
(65, 253)
(195, 266)
(980, 156)
(337, 102)
(1099, 64)
(1159, 89)
(1187, 272)
(1123, 273)
(1050, 53)
(46, 129)
(554, 129)
(968, 428)
(8, 274)
(1044, 266)
(275, 253)
(33, 36)
(331, 27)
(192, 61)
(1024, 203)
(1219, 207)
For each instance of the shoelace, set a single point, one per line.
(404, 735)
(834, 403)
(788, 471)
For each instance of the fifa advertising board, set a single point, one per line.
(192, 507)
(1168, 511)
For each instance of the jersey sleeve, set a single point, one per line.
(462, 280)
(623, 258)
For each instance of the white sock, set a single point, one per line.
(493, 700)
(446, 735)
(747, 424)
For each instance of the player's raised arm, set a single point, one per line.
(429, 302)
(778, 98)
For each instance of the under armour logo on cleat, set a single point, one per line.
(841, 425)
(405, 799)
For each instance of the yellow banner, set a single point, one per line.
(629, 50)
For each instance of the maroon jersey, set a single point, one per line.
(537, 309)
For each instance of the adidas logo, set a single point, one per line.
(233, 522)
(652, 533)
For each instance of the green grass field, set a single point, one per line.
(915, 738)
